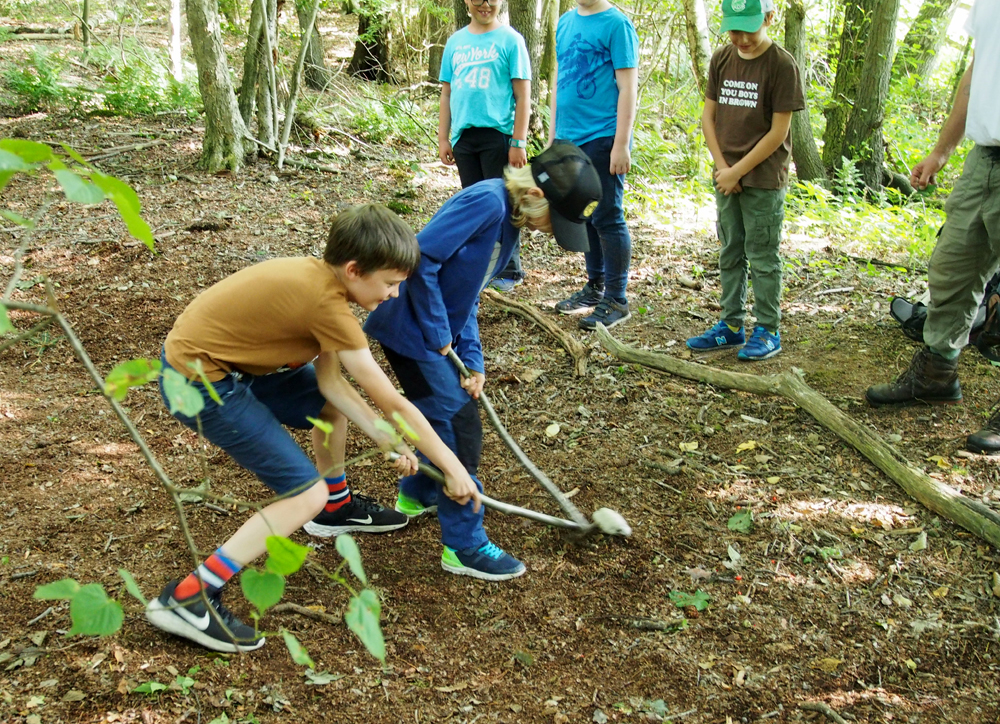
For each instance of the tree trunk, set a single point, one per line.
(222, 147)
(316, 75)
(963, 63)
(176, 59)
(808, 164)
(547, 62)
(524, 19)
(918, 53)
(85, 17)
(371, 60)
(863, 139)
(252, 63)
(857, 21)
(699, 45)
(461, 14)
(438, 30)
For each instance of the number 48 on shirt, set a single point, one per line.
(478, 78)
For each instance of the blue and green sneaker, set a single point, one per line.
(489, 562)
(412, 507)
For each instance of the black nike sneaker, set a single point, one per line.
(361, 515)
(218, 629)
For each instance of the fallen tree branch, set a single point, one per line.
(823, 709)
(937, 497)
(877, 262)
(122, 149)
(571, 344)
(307, 612)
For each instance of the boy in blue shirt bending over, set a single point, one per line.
(485, 105)
(597, 52)
(467, 242)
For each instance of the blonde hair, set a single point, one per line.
(526, 207)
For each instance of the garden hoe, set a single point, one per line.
(607, 521)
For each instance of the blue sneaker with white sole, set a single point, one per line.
(718, 337)
(488, 562)
(762, 345)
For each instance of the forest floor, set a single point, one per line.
(824, 599)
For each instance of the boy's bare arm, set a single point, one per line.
(360, 364)
(628, 93)
(726, 179)
(445, 152)
(708, 131)
(517, 157)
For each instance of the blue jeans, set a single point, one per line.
(610, 243)
(249, 425)
(435, 389)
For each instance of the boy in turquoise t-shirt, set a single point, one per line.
(485, 105)
(597, 53)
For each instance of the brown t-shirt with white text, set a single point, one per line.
(279, 313)
(748, 93)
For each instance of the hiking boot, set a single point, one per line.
(582, 301)
(761, 345)
(361, 515)
(488, 562)
(718, 337)
(930, 378)
(987, 440)
(413, 508)
(608, 312)
(192, 619)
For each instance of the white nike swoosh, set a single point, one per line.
(199, 622)
(363, 521)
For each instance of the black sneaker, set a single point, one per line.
(582, 301)
(191, 619)
(361, 515)
(608, 312)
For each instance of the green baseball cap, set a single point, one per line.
(744, 15)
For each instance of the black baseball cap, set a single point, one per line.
(567, 177)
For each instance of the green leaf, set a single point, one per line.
(742, 522)
(128, 205)
(362, 617)
(387, 428)
(285, 556)
(199, 368)
(29, 151)
(5, 177)
(93, 613)
(181, 395)
(78, 189)
(321, 425)
(149, 688)
(263, 590)
(405, 427)
(74, 155)
(5, 326)
(699, 599)
(132, 586)
(299, 655)
(17, 219)
(134, 373)
(12, 162)
(57, 590)
(349, 550)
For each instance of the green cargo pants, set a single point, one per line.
(967, 254)
(749, 225)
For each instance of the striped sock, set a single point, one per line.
(214, 572)
(339, 494)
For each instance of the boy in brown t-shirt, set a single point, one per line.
(272, 339)
(753, 88)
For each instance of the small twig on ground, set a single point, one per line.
(40, 616)
(648, 624)
(311, 166)
(878, 262)
(838, 290)
(823, 709)
(307, 612)
(123, 149)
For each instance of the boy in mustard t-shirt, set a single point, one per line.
(272, 339)
(753, 88)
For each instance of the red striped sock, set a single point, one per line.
(214, 572)
(338, 494)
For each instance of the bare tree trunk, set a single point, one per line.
(808, 164)
(317, 76)
(371, 59)
(863, 134)
(438, 30)
(222, 147)
(252, 62)
(461, 14)
(918, 53)
(85, 18)
(699, 45)
(963, 63)
(524, 19)
(176, 61)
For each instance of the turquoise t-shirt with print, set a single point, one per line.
(480, 68)
(589, 49)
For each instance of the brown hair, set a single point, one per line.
(373, 237)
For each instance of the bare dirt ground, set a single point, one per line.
(823, 600)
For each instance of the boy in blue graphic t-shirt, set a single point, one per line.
(597, 54)
(485, 105)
